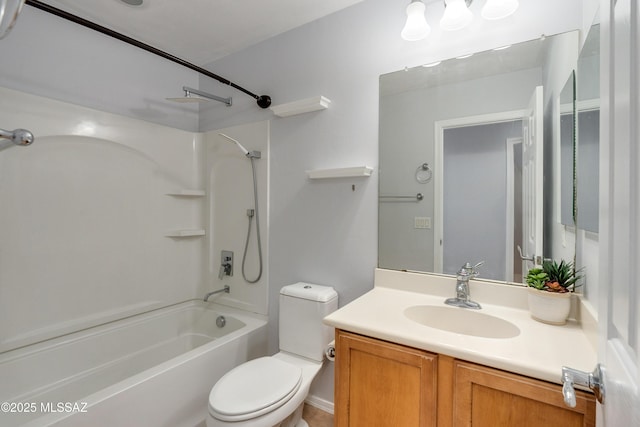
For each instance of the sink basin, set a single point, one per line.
(462, 321)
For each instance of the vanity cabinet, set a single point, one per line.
(487, 397)
(384, 384)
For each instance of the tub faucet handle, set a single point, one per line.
(225, 270)
(226, 264)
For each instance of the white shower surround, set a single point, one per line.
(86, 210)
(86, 214)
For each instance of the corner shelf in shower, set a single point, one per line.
(302, 106)
(356, 171)
(187, 193)
(185, 233)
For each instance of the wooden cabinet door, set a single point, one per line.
(486, 397)
(380, 384)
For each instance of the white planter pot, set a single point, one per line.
(549, 307)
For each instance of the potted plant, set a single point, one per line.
(550, 289)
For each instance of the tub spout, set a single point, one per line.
(226, 290)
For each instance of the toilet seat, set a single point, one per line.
(253, 389)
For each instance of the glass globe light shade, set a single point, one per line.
(456, 15)
(416, 28)
(498, 9)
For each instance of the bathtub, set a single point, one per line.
(154, 369)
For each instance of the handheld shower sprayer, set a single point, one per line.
(250, 154)
(240, 146)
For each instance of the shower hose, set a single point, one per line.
(250, 214)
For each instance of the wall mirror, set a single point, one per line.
(568, 157)
(458, 174)
(588, 131)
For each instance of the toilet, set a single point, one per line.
(270, 391)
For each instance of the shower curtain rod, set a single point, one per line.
(263, 101)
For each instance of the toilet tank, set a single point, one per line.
(302, 308)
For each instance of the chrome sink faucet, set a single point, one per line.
(462, 298)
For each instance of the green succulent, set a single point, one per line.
(554, 277)
(537, 278)
(562, 277)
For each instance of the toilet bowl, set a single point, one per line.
(264, 392)
(270, 391)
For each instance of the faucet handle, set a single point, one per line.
(470, 271)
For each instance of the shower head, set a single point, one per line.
(250, 154)
(196, 96)
(19, 136)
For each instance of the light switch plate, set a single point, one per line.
(422, 222)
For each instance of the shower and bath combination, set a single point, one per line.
(21, 137)
(252, 155)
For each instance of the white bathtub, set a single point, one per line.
(154, 369)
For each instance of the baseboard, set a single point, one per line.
(322, 404)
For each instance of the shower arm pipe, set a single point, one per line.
(264, 101)
(188, 90)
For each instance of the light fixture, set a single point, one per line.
(416, 28)
(456, 15)
(498, 9)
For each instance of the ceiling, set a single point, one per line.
(201, 31)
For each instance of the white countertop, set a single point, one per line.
(539, 351)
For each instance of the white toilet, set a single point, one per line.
(270, 391)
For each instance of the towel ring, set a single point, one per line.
(424, 173)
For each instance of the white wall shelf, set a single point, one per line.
(185, 233)
(300, 107)
(351, 172)
(187, 193)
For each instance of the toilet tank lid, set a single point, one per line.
(309, 291)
